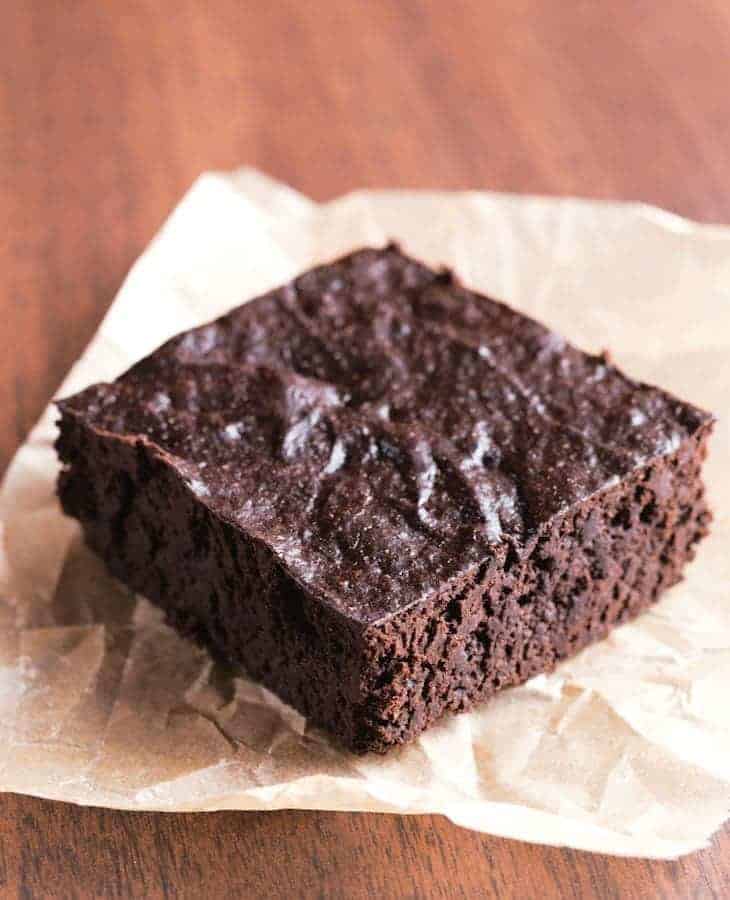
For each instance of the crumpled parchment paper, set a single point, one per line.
(625, 749)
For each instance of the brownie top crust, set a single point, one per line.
(383, 429)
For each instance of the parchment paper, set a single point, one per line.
(625, 749)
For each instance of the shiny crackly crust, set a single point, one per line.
(382, 429)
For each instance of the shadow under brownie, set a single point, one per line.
(385, 495)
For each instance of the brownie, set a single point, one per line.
(383, 494)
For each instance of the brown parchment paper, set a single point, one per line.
(625, 749)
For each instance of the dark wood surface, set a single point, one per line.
(108, 111)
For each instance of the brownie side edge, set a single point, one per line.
(597, 566)
(216, 585)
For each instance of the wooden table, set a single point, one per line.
(108, 111)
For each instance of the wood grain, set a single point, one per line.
(109, 110)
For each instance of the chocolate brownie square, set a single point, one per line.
(385, 495)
